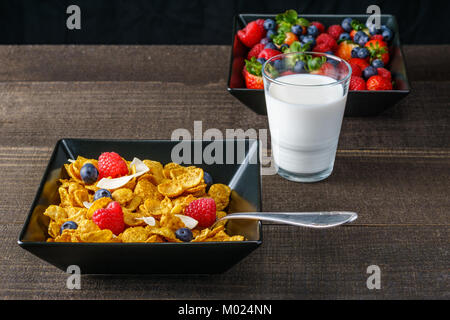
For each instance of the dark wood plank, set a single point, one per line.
(384, 189)
(163, 63)
(292, 263)
(39, 113)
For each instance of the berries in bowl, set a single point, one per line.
(346, 36)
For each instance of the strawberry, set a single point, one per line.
(251, 34)
(357, 83)
(252, 74)
(254, 52)
(378, 50)
(239, 49)
(319, 26)
(384, 73)
(268, 53)
(378, 83)
(335, 31)
(236, 80)
(352, 33)
(326, 40)
(344, 50)
(362, 63)
(290, 37)
(356, 70)
(327, 69)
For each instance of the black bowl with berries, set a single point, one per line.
(379, 78)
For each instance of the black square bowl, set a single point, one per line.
(243, 176)
(359, 103)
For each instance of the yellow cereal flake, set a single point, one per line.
(221, 195)
(123, 196)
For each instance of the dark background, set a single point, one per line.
(193, 21)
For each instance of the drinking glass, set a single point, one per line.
(305, 96)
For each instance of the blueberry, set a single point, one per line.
(297, 30)
(102, 193)
(387, 35)
(279, 64)
(300, 38)
(377, 63)
(207, 177)
(270, 45)
(347, 24)
(309, 39)
(333, 62)
(328, 52)
(265, 40)
(355, 51)
(344, 36)
(260, 60)
(313, 31)
(369, 71)
(373, 29)
(299, 66)
(363, 39)
(89, 173)
(184, 234)
(269, 24)
(363, 53)
(68, 225)
(271, 33)
(357, 36)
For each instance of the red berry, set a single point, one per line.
(362, 63)
(322, 47)
(268, 53)
(110, 218)
(319, 26)
(251, 34)
(335, 31)
(378, 83)
(255, 51)
(384, 73)
(236, 80)
(239, 49)
(203, 210)
(110, 164)
(357, 83)
(376, 37)
(356, 70)
(328, 40)
(252, 81)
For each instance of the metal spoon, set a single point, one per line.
(303, 219)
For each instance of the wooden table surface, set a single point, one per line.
(392, 169)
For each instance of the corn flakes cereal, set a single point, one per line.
(153, 204)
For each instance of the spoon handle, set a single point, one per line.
(304, 219)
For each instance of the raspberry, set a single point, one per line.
(376, 37)
(335, 31)
(110, 164)
(384, 73)
(357, 83)
(203, 210)
(326, 39)
(110, 218)
(255, 51)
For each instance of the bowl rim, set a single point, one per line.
(63, 141)
(239, 17)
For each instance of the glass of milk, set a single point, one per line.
(305, 107)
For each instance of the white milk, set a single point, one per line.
(305, 122)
